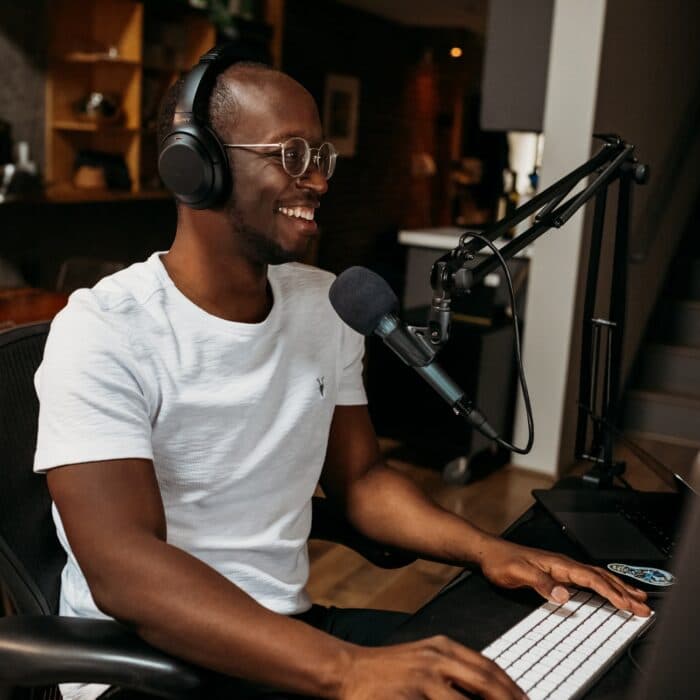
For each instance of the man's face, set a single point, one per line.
(265, 200)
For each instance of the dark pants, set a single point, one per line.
(368, 628)
(364, 627)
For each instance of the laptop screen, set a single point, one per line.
(667, 475)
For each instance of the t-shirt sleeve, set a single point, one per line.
(351, 390)
(92, 403)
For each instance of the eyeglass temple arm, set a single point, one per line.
(253, 145)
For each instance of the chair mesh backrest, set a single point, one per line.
(31, 558)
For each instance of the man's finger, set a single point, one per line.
(610, 588)
(545, 585)
(476, 673)
(464, 657)
(638, 593)
(636, 597)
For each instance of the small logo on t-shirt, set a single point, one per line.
(321, 384)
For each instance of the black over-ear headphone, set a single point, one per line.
(191, 160)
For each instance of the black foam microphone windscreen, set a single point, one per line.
(361, 297)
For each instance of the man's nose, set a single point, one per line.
(313, 179)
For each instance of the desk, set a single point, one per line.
(472, 611)
(28, 305)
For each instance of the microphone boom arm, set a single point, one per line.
(615, 157)
(450, 275)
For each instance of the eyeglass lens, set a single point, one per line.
(297, 155)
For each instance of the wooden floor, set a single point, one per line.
(341, 577)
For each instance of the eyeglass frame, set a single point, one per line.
(310, 150)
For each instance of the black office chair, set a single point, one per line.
(39, 649)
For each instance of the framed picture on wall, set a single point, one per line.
(340, 108)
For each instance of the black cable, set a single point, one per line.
(632, 648)
(516, 329)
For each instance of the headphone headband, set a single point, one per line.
(193, 101)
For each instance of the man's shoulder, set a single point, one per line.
(114, 301)
(128, 288)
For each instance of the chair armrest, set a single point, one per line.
(45, 650)
(327, 525)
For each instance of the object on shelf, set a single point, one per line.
(19, 179)
(89, 177)
(100, 170)
(90, 51)
(110, 54)
(24, 163)
(100, 107)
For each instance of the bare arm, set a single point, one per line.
(384, 505)
(113, 516)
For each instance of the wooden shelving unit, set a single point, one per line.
(94, 47)
(133, 52)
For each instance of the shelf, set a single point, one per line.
(68, 194)
(71, 125)
(131, 49)
(86, 57)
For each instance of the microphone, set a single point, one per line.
(368, 305)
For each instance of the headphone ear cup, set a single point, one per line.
(193, 165)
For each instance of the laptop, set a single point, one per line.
(623, 526)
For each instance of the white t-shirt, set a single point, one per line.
(235, 416)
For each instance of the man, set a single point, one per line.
(189, 405)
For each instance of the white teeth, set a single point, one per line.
(298, 212)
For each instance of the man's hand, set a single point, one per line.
(513, 566)
(429, 669)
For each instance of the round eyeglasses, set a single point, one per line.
(297, 155)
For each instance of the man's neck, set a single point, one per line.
(218, 279)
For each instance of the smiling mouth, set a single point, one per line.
(306, 213)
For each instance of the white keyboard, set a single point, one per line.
(559, 651)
